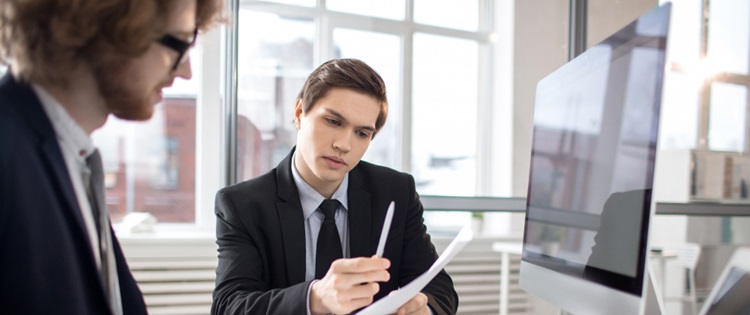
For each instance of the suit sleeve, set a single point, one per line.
(6, 142)
(419, 254)
(242, 280)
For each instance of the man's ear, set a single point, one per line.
(298, 113)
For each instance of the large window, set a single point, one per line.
(445, 109)
(272, 66)
(706, 93)
(460, 95)
(430, 63)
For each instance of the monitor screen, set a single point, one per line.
(592, 161)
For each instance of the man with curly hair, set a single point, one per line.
(72, 63)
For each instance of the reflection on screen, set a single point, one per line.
(733, 295)
(595, 131)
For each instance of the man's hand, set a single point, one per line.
(416, 306)
(349, 285)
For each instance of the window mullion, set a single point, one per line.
(407, 78)
(705, 90)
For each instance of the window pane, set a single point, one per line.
(679, 112)
(388, 9)
(685, 30)
(272, 67)
(458, 14)
(150, 166)
(726, 126)
(729, 34)
(382, 53)
(304, 3)
(444, 116)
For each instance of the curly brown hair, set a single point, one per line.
(351, 74)
(46, 39)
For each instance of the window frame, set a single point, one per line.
(216, 161)
(327, 20)
(704, 93)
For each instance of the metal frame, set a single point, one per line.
(578, 27)
(229, 120)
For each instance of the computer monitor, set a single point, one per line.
(730, 293)
(592, 166)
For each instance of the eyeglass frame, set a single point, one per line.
(178, 45)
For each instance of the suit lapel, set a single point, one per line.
(24, 101)
(360, 217)
(291, 221)
(27, 104)
(51, 153)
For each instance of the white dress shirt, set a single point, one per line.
(75, 146)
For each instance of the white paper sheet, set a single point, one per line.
(391, 303)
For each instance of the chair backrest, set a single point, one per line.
(687, 253)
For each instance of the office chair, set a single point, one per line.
(687, 255)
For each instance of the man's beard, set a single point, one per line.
(122, 97)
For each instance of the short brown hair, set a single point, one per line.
(349, 74)
(45, 39)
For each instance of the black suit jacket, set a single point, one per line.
(261, 236)
(46, 262)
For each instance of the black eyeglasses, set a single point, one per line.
(178, 45)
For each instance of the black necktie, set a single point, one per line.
(108, 270)
(329, 243)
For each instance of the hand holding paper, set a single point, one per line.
(349, 285)
(345, 275)
(391, 303)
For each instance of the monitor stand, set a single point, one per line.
(652, 303)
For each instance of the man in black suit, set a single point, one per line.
(270, 229)
(72, 63)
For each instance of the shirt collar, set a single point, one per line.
(69, 133)
(310, 199)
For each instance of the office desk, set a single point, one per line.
(662, 256)
(506, 249)
(657, 256)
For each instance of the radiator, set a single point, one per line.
(177, 276)
(476, 274)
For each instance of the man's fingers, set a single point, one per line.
(361, 264)
(345, 301)
(345, 273)
(414, 306)
(358, 291)
(364, 292)
(351, 283)
(346, 280)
